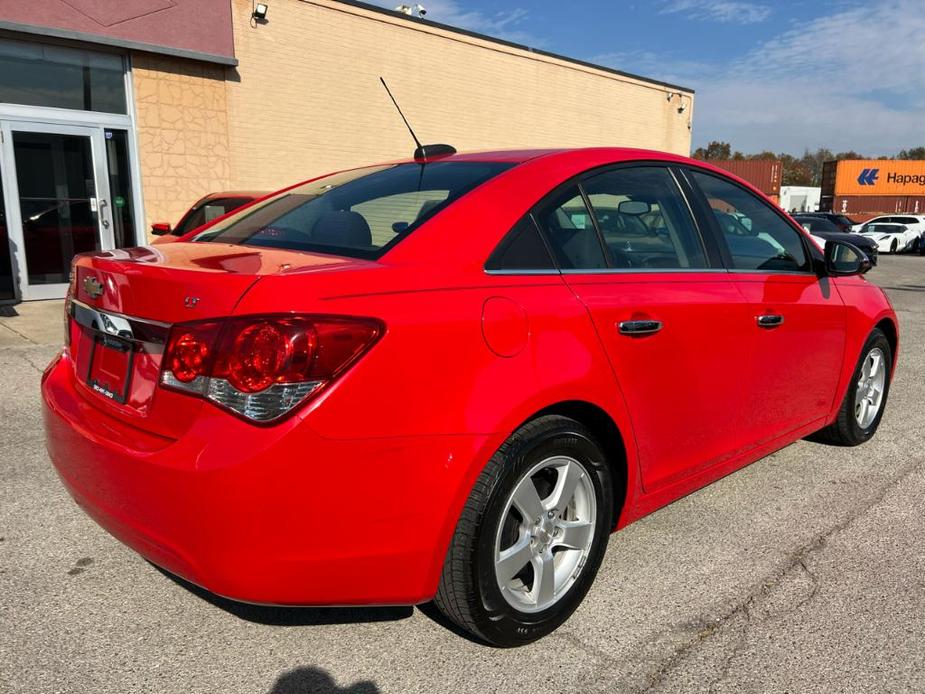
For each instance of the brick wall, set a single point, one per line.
(306, 99)
(182, 122)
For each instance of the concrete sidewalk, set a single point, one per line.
(38, 323)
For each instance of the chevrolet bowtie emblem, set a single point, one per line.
(93, 287)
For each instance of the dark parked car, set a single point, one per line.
(839, 220)
(204, 210)
(825, 230)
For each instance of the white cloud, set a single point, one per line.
(853, 79)
(732, 11)
(502, 24)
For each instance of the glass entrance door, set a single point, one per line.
(58, 201)
(7, 285)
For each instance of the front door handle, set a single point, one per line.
(769, 320)
(639, 327)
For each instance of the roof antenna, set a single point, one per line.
(423, 153)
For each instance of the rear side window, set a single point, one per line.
(757, 237)
(567, 224)
(644, 220)
(358, 213)
(522, 249)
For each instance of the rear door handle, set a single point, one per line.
(639, 327)
(769, 320)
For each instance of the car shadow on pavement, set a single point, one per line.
(312, 680)
(272, 615)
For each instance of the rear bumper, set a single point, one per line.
(276, 515)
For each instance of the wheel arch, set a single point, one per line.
(888, 327)
(608, 436)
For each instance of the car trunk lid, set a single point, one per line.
(123, 303)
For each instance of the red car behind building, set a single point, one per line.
(451, 379)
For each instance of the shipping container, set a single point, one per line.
(872, 205)
(764, 174)
(874, 177)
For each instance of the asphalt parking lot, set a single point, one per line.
(804, 572)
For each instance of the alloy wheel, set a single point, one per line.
(869, 395)
(546, 534)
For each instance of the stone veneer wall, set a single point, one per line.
(182, 121)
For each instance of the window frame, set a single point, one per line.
(812, 252)
(712, 252)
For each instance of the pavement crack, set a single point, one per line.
(736, 648)
(761, 592)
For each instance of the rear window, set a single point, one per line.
(358, 213)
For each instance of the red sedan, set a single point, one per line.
(451, 378)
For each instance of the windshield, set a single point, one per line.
(359, 213)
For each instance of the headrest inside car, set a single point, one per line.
(343, 228)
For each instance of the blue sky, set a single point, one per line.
(783, 76)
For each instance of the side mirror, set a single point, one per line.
(843, 259)
(160, 228)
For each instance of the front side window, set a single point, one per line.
(644, 220)
(359, 213)
(757, 237)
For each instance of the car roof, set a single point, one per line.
(519, 156)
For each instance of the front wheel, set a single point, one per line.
(862, 408)
(531, 536)
(894, 247)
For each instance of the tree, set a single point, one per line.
(913, 153)
(714, 150)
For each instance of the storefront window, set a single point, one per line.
(38, 75)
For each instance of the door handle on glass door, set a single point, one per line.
(103, 220)
(769, 320)
(639, 327)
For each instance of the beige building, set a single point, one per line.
(292, 96)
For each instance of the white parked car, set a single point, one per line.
(913, 221)
(892, 238)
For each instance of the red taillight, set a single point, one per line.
(188, 356)
(262, 367)
(265, 353)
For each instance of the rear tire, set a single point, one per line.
(856, 421)
(510, 579)
(894, 247)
